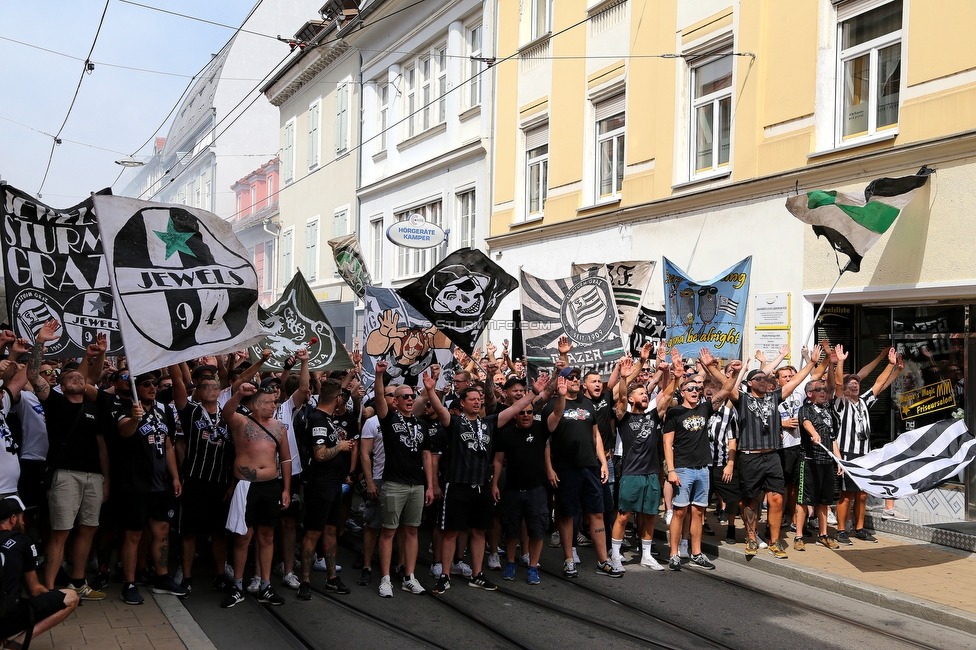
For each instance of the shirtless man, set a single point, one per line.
(259, 497)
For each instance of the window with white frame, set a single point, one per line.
(474, 67)
(711, 112)
(441, 84)
(383, 114)
(411, 262)
(536, 171)
(287, 255)
(869, 68)
(376, 242)
(209, 204)
(342, 117)
(340, 225)
(314, 121)
(610, 131)
(410, 100)
(541, 17)
(425, 94)
(254, 197)
(199, 197)
(288, 153)
(466, 219)
(269, 179)
(312, 249)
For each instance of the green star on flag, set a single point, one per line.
(175, 241)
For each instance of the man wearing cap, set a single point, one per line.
(18, 557)
(78, 454)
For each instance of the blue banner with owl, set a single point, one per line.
(709, 314)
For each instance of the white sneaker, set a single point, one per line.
(229, 571)
(831, 518)
(291, 581)
(576, 559)
(668, 514)
(279, 569)
(460, 568)
(617, 562)
(255, 585)
(178, 576)
(494, 562)
(412, 585)
(762, 542)
(436, 570)
(524, 559)
(683, 550)
(554, 540)
(352, 526)
(386, 587)
(320, 565)
(894, 514)
(651, 563)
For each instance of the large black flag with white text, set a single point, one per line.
(916, 461)
(460, 295)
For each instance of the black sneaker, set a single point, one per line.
(145, 577)
(606, 569)
(730, 535)
(305, 591)
(481, 582)
(336, 586)
(708, 530)
(701, 561)
(221, 583)
(583, 541)
(365, 576)
(843, 539)
(443, 584)
(675, 563)
(100, 581)
(233, 597)
(131, 595)
(865, 536)
(165, 584)
(268, 595)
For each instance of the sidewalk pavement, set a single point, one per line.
(158, 624)
(898, 573)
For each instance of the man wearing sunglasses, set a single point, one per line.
(687, 454)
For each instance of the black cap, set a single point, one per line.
(10, 506)
(511, 381)
(152, 374)
(566, 372)
(752, 374)
(270, 380)
(200, 371)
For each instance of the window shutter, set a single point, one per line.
(611, 107)
(536, 137)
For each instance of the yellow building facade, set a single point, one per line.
(640, 129)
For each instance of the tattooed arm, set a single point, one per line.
(45, 334)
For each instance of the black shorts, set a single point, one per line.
(530, 506)
(759, 473)
(263, 504)
(728, 491)
(467, 506)
(294, 508)
(817, 485)
(135, 509)
(846, 484)
(791, 457)
(30, 487)
(203, 507)
(580, 490)
(45, 605)
(323, 507)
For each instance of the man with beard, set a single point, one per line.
(147, 495)
(18, 557)
(818, 426)
(687, 454)
(640, 434)
(78, 454)
(259, 497)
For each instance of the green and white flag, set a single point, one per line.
(350, 263)
(851, 222)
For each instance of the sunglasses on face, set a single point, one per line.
(691, 389)
(124, 377)
(818, 390)
(49, 372)
(526, 412)
(267, 390)
(149, 383)
(406, 396)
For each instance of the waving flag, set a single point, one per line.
(916, 461)
(184, 284)
(852, 223)
(350, 263)
(460, 295)
(629, 280)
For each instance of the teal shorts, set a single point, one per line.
(640, 494)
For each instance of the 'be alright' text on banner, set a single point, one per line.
(707, 314)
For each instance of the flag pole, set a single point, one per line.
(813, 325)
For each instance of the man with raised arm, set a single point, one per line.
(259, 497)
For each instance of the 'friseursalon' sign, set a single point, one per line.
(415, 232)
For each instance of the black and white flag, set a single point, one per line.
(916, 461)
(183, 283)
(629, 280)
(460, 295)
(53, 267)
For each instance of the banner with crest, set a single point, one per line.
(629, 281)
(294, 321)
(582, 308)
(710, 314)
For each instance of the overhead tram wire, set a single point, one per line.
(86, 69)
(202, 20)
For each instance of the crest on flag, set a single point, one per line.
(707, 314)
(54, 268)
(629, 281)
(649, 328)
(460, 295)
(296, 320)
(397, 333)
(350, 263)
(582, 308)
(183, 281)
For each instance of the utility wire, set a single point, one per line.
(86, 69)
(201, 20)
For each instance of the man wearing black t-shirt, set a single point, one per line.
(467, 465)
(524, 499)
(687, 456)
(818, 426)
(18, 559)
(408, 468)
(323, 493)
